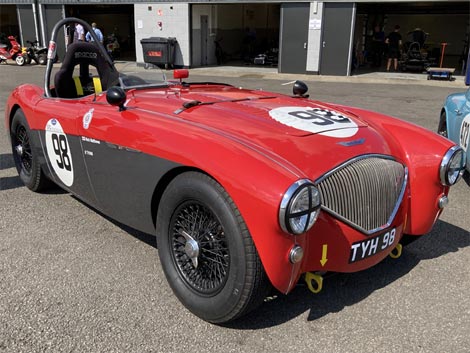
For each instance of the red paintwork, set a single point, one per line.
(256, 159)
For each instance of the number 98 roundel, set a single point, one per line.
(58, 152)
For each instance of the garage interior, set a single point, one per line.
(235, 34)
(116, 23)
(9, 21)
(442, 22)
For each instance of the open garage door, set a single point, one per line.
(116, 23)
(235, 34)
(441, 22)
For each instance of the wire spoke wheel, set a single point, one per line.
(25, 155)
(22, 148)
(206, 250)
(200, 249)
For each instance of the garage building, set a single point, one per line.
(315, 37)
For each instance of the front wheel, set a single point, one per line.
(206, 251)
(442, 128)
(20, 60)
(25, 155)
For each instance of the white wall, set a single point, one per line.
(175, 23)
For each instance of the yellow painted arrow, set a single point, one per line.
(323, 254)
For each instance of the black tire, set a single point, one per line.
(27, 60)
(228, 279)
(25, 154)
(42, 59)
(442, 127)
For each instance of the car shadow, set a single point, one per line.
(6, 161)
(8, 183)
(343, 290)
(148, 239)
(466, 178)
(339, 290)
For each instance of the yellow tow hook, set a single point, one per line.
(310, 278)
(396, 253)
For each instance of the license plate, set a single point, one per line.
(372, 246)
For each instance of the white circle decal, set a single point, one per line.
(58, 151)
(316, 120)
(465, 133)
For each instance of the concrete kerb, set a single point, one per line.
(391, 78)
(269, 73)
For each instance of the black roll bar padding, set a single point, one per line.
(52, 49)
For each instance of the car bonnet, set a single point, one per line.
(255, 112)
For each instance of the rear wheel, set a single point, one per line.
(442, 128)
(206, 251)
(25, 155)
(42, 59)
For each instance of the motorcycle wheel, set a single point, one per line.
(20, 60)
(27, 60)
(42, 59)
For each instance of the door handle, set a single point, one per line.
(305, 45)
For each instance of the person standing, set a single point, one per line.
(98, 33)
(79, 33)
(377, 46)
(394, 43)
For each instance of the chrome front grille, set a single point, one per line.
(364, 192)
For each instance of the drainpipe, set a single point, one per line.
(36, 22)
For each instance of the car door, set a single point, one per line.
(61, 145)
(122, 175)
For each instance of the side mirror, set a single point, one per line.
(300, 88)
(116, 96)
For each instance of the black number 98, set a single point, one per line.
(60, 145)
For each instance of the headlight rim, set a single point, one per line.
(446, 162)
(289, 196)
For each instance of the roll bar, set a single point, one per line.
(52, 49)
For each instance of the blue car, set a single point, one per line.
(454, 122)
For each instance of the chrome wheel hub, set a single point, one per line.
(191, 248)
(19, 150)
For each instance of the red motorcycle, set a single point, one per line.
(12, 51)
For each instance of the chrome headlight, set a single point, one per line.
(300, 207)
(452, 166)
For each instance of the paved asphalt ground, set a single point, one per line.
(71, 280)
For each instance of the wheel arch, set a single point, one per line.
(163, 184)
(13, 111)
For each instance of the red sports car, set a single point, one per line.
(245, 190)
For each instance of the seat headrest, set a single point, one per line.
(83, 54)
